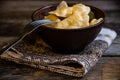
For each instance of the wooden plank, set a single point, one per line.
(23, 11)
(98, 3)
(11, 29)
(108, 68)
(111, 69)
(114, 50)
(4, 41)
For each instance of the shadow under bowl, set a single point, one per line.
(68, 40)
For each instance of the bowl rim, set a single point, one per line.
(95, 25)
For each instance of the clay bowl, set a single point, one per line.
(68, 40)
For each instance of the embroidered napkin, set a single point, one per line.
(39, 55)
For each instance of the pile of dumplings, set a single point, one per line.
(76, 16)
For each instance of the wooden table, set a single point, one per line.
(14, 15)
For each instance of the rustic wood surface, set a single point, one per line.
(15, 14)
(106, 69)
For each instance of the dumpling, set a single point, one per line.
(74, 21)
(95, 21)
(76, 16)
(52, 17)
(78, 19)
(62, 10)
(80, 8)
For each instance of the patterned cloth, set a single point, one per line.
(36, 53)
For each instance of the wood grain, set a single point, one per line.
(15, 14)
(108, 68)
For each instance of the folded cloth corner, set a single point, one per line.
(40, 55)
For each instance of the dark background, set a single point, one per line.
(16, 14)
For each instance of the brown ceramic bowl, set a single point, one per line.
(68, 40)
